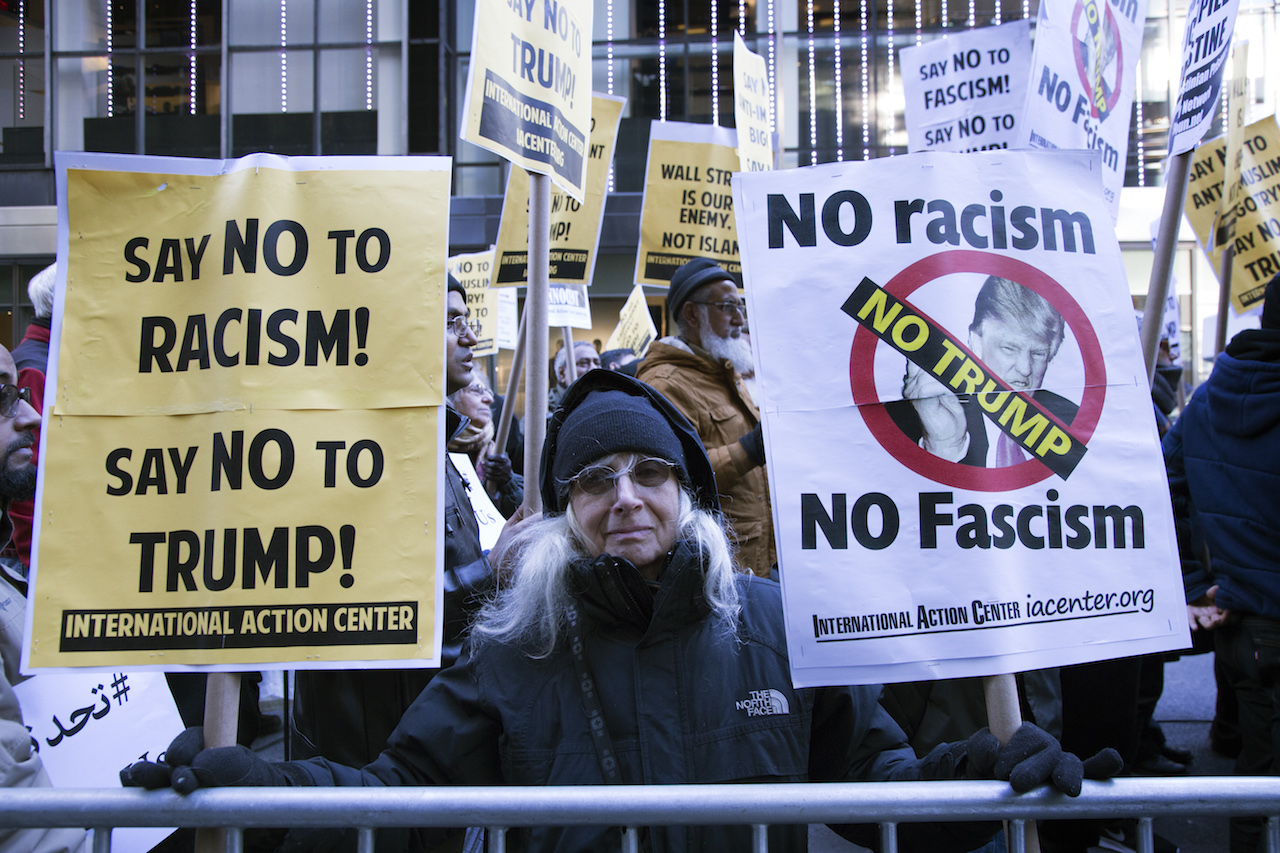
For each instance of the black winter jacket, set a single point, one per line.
(683, 702)
(347, 715)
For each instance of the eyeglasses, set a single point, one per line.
(458, 325)
(729, 308)
(9, 397)
(601, 479)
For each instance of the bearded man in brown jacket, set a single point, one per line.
(699, 369)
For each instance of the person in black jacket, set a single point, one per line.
(627, 648)
(347, 715)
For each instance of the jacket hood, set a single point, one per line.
(701, 477)
(1244, 394)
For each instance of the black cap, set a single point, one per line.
(456, 285)
(608, 422)
(608, 412)
(690, 277)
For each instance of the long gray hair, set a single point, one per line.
(530, 611)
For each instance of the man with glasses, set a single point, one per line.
(347, 715)
(699, 369)
(20, 764)
(585, 359)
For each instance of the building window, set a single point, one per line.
(22, 103)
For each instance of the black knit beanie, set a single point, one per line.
(608, 422)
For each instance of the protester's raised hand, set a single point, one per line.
(186, 766)
(1033, 757)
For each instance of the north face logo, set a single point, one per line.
(764, 703)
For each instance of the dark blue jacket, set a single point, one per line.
(1223, 459)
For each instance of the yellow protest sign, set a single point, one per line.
(751, 108)
(236, 538)
(688, 202)
(575, 227)
(635, 329)
(528, 93)
(1224, 230)
(474, 271)
(262, 286)
(283, 509)
(1257, 240)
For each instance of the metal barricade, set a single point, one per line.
(758, 806)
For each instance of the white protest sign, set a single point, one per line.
(90, 726)
(965, 92)
(487, 515)
(507, 308)
(751, 108)
(567, 305)
(528, 93)
(899, 563)
(1205, 45)
(1082, 81)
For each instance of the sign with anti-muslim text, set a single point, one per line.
(965, 92)
(1206, 41)
(575, 227)
(688, 204)
(528, 95)
(1257, 213)
(752, 109)
(241, 465)
(966, 477)
(1080, 93)
(474, 272)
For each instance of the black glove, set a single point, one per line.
(1033, 757)
(186, 765)
(497, 469)
(753, 443)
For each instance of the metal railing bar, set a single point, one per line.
(1146, 838)
(889, 837)
(760, 837)
(1018, 836)
(638, 805)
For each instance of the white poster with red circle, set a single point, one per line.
(1080, 94)
(962, 452)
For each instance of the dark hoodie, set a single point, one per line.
(1223, 459)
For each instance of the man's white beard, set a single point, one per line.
(737, 350)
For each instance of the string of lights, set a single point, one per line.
(22, 47)
(715, 66)
(662, 60)
(111, 82)
(813, 91)
(284, 67)
(368, 54)
(191, 62)
(866, 85)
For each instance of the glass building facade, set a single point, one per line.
(223, 78)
